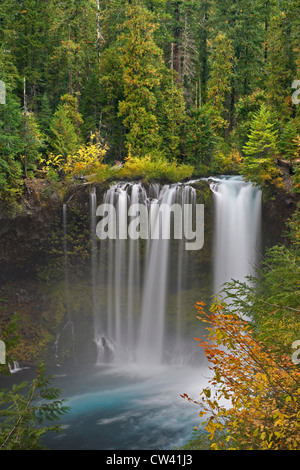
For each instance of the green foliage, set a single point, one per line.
(11, 182)
(24, 412)
(219, 83)
(142, 64)
(64, 138)
(11, 142)
(281, 69)
(288, 144)
(260, 151)
(148, 77)
(154, 169)
(45, 115)
(33, 140)
(200, 140)
(111, 93)
(171, 114)
(245, 109)
(27, 406)
(243, 23)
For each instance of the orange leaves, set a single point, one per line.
(253, 400)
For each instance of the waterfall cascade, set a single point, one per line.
(237, 229)
(132, 279)
(140, 287)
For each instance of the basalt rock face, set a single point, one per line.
(24, 239)
(20, 235)
(277, 209)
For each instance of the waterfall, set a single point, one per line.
(150, 348)
(93, 207)
(143, 289)
(133, 276)
(237, 229)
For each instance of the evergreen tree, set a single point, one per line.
(45, 115)
(74, 56)
(171, 113)
(245, 109)
(281, 67)
(260, 151)
(64, 137)
(219, 83)
(242, 23)
(33, 141)
(200, 140)
(142, 72)
(11, 143)
(27, 410)
(111, 92)
(33, 48)
(288, 146)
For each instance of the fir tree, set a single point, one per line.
(171, 113)
(260, 151)
(65, 138)
(288, 146)
(200, 140)
(219, 83)
(142, 72)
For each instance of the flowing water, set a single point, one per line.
(143, 295)
(133, 278)
(237, 229)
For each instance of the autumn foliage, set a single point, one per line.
(253, 398)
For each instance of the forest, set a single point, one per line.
(95, 91)
(208, 85)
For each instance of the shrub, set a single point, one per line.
(158, 169)
(87, 161)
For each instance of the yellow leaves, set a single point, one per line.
(87, 161)
(53, 162)
(264, 408)
(152, 168)
(214, 446)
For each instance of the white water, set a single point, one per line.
(131, 278)
(151, 335)
(130, 282)
(237, 230)
(140, 288)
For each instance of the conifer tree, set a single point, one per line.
(142, 64)
(11, 143)
(219, 83)
(288, 146)
(200, 140)
(281, 67)
(171, 113)
(65, 139)
(261, 150)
